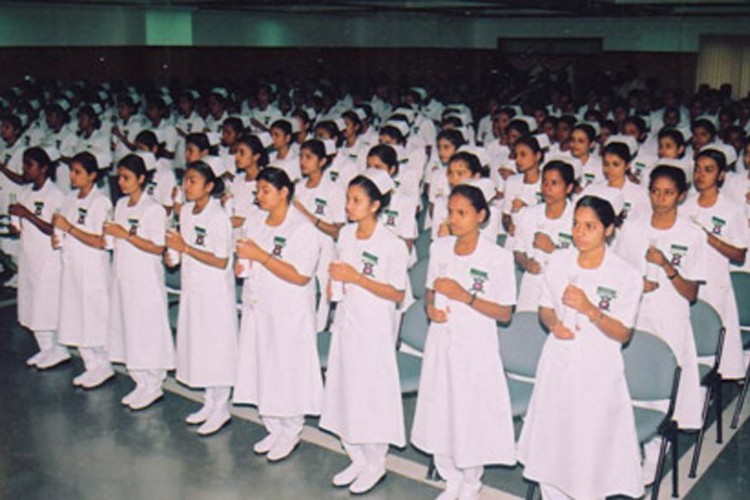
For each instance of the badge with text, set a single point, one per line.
(134, 223)
(478, 279)
(200, 235)
(606, 296)
(279, 242)
(82, 213)
(678, 252)
(369, 261)
(717, 224)
(38, 208)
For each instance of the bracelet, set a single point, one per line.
(317, 222)
(676, 273)
(599, 318)
(187, 250)
(471, 300)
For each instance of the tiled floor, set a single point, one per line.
(60, 442)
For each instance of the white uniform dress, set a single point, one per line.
(39, 264)
(592, 171)
(362, 401)
(532, 220)
(84, 305)
(664, 312)
(290, 165)
(139, 329)
(579, 432)
(463, 407)
(327, 202)
(278, 369)
(207, 322)
(725, 220)
(162, 183)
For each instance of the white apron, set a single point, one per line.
(140, 335)
(85, 284)
(579, 432)
(207, 321)
(463, 407)
(278, 369)
(39, 265)
(362, 402)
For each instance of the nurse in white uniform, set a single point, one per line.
(362, 403)
(279, 370)
(463, 415)
(461, 167)
(39, 264)
(84, 305)
(139, 332)
(579, 438)
(249, 159)
(725, 226)
(207, 321)
(283, 156)
(543, 230)
(525, 188)
(322, 201)
(582, 144)
(670, 252)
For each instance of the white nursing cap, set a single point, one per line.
(543, 141)
(709, 118)
(148, 158)
(214, 138)
(409, 113)
(730, 155)
(361, 113)
(484, 185)
(330, 146)
(64, 104)
(167, 99)
(221, 91)
(479, 152)
(421, 92)
(216, 164)
(264, 138)
(676, 163)
(628, 140)
(194, 94)
(381, 179)
(340, 124)
(612, 195)
(402, 127)
(97, 108)
(53, 153)
(575, 163)
(528, 120)
(594, 125)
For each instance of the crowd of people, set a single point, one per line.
(616, 212)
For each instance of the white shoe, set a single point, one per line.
(33, 360)
(145, 398)
(53, 358)
(348, 475)
(215, 422)
(449, 494)
(282, 448)
(199, 416)
(368, 479)
(98, 377)
(264, 445)
(125, 401)
(79, 379)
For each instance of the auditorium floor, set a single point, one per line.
(61, 442)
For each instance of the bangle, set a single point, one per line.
(599, 318)
(676, 273)
(317, 222)
(471, 300)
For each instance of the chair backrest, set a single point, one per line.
(741, 286)
(649, 367)
(521, 343)
(414, 326)
(418, 278)
(707, 329)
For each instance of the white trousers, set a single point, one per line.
(47, 341)
(370, 454)
(290, 427)
(95, 357)
(468, 481)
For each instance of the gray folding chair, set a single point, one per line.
(709, 333)
(413, 333)
(741, 286)
(652, 374)
(521, 344)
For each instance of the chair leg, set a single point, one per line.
(675, 465)
(719, 403)
(701, 432)
(659, 467)
(432, 473)
(741, 399)
(530, 491)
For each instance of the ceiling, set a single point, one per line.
(469, 8)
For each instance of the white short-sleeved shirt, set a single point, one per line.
(591, 171)
(636, 203)
(145, 219)
(192, 124)
(98, 145)
(166, 134)
(517, 189)
(290, 165)
(161, 184)
(130, 130)
(400, 216)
